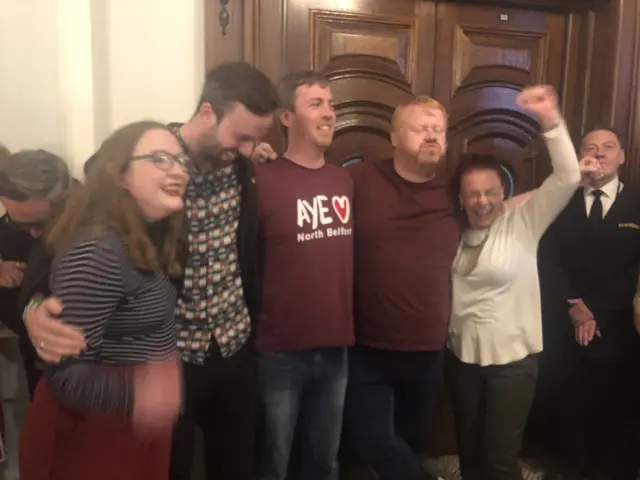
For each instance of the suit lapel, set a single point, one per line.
(617, 206)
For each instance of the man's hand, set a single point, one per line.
(541, 101)
(586, 331)
(591, 169)
(11, 274)
(579, 312)
(583, 321)
(263, 153)
(52, 339)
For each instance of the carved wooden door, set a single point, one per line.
(484, 56)
(376, 53)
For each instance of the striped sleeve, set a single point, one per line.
(88, 279)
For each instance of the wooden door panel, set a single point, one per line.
(340, 33)
(317, 30)
(374, 52)
(485, 56)
(366, 90)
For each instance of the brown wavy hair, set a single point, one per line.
(104, 204)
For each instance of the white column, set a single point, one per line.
(75, 70)
(75, 73)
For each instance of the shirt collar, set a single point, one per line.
(175, 129)
(609, 189)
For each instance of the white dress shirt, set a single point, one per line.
(609, 193)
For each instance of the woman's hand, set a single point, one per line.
(157, 397)
(541, 101)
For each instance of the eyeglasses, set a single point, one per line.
(165, 160)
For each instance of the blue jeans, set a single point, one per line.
(308, 385)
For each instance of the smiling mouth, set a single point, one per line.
(173, 191)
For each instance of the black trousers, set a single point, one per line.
(31, 363)
(33, 374)
(388, 408)
(491, 405)
(596, 422)
(220, 399)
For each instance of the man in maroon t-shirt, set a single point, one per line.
(406, 239)
(405, 242)
(305, 322)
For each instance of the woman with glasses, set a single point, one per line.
(108, 412)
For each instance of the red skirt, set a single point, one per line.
(61, 443)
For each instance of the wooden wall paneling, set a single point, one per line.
(362, 26)
(577, 67)
(268, 21)
(286, 33)
(484, 56)
(625, 81)
(632, 164)
(425, 65)
(221, 47)
(604, 57)
(613, 77)
(597, 40)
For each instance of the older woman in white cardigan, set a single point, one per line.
(496, 329)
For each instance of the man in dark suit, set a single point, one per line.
(588, 271)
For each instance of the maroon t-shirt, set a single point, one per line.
(405, 243)
(306, 233)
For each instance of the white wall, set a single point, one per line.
(71, 71)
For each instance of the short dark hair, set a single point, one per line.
(33, 173)
(289, 84)
(595, 128)
(469, 162)
(288, 88)
(238, 82)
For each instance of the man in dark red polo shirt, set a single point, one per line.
(406, 239)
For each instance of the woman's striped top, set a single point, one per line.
(127, 317)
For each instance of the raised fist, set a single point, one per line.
(541, 101)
